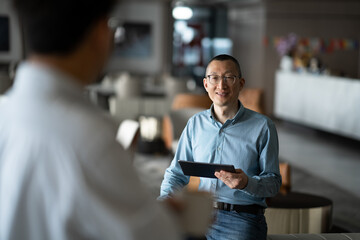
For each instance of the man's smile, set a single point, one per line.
(222, 94)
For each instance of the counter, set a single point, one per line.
(323, 102)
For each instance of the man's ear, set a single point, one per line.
(205, 84)
(242, 83)
(101, 40)
(102, 32)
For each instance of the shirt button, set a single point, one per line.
(219, 148)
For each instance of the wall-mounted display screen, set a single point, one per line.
(137, 42)
(4, 34)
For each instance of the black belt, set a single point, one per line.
(252, 209)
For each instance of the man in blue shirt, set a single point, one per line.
(228, 133)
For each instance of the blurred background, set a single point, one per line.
(300, 60)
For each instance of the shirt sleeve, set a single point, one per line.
(174, 178)
(268, 182)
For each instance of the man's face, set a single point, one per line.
(223, 94)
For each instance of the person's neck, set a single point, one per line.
(225, 113)
(72, 65)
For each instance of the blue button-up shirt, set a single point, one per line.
(248, 141)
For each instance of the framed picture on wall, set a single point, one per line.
(137, 41)
(142, 50)
(11, 44)
(4, 34)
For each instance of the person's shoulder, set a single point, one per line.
(93, 133)
(93, 120)
(258, 117)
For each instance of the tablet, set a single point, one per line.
(200, 169)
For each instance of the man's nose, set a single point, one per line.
(222, 84)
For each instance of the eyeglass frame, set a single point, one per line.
(224, 78)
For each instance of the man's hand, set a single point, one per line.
(238, 180)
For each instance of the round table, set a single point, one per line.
(296, 212)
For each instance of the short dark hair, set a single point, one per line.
(225, 57)
(58, 26)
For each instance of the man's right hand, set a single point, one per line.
(237, 180)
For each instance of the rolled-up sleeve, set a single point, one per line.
(268, 182)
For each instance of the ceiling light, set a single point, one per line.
(182, 12)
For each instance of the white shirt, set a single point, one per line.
(62, 174)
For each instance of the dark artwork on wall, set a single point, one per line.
(4, 34)
(137, 42)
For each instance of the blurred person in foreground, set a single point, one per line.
(228, 133)
(62, 173)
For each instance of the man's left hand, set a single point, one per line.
(237, 180)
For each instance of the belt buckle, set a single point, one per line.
(220, 205)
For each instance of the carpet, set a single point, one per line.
(346, 206)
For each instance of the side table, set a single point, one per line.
(296, 212)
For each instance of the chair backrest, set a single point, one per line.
(252, 98)
(189, 100)
(193, 184)
(285, 172)
(184, 105)
(174, 123)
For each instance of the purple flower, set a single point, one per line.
(286, 44)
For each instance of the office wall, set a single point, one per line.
(246, 29)
(311, 18)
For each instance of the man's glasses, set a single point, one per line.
(216, 79)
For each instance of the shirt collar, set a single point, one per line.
(239, 114)
(234, 120)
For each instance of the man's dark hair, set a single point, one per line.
(58, 26)
(225, 57)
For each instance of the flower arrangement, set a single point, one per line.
(286, 45)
